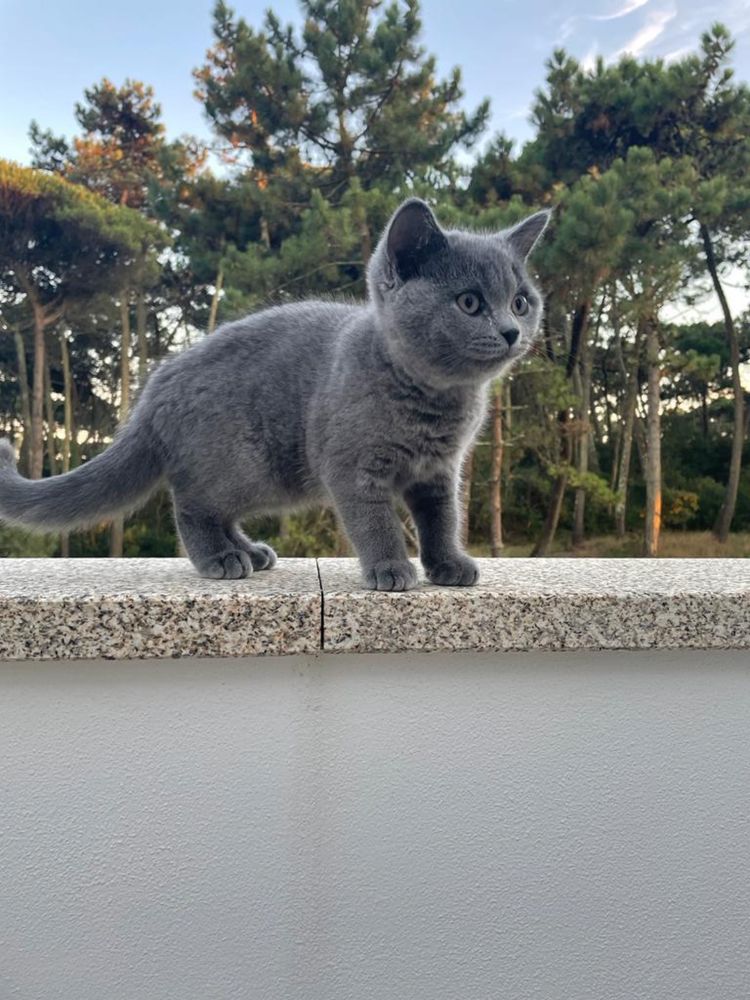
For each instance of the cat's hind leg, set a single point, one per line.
(208, 542)
(262, 556)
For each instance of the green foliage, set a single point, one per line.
(62, 249)
(680, 507)
(353, 95)
(595, 487)
(117, 155)
(61, 238)
(17, 543)
(324, 256)
(310, 533)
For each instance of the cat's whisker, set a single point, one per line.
(538, 352)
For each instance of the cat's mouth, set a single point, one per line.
(494, 351)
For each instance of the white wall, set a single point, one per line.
(350, 828)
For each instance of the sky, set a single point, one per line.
(51, 50)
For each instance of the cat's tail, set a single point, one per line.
(117, 480)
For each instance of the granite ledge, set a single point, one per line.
(547, 604)
(62, 609)
(54, 609)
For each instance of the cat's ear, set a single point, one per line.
(524, 236)
(413, 237)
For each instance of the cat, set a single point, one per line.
(351, 404)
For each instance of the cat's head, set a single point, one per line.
(456, 306)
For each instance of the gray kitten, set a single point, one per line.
(323, 402)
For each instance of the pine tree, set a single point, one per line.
(576, 263)
(352, 95)
(122, 155)
(718, 142)
(654, 262)
(118, 153)
(58, 243)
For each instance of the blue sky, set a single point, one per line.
(50, 51)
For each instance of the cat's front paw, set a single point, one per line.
(390, 574)
(232, 564)
(458, 571)
(262, 556)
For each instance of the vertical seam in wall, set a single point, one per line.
(322, 607)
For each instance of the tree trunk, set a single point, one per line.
(726, 512)
(595, 430)
(50, 414)
(36, 452)
(75, 448)
(653, 443)
(496, 469)
(639, 436)
(605, 396)
(578, 332)
(23, 387)
(117, 530)
(626, 450)
(466, 474)
(508, 420)
(43, 316)
(116, 537)
(556, 500)
(140, 327)
(579, 510)
(265, 232)
(627, 426)
(616, 439)
(68, 428)
(213, 312)
(68, 410)
(125, 357)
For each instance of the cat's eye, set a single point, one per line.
(469, 302)
(520, 305)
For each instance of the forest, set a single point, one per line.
(623, 433)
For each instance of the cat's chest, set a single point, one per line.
(440, 436)
(431, 440)
(403, 435)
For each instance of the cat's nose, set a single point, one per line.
(511, 335)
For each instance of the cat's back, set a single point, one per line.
(244, 391)
(299, 330)
(283, 345)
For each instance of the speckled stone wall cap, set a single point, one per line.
(568, 576)
(46, 579)
(547, 604)
(155, 608)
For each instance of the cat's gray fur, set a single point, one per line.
(321, 402)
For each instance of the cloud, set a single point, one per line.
(673, 56)
(515, 112)
(734, 13)
(627, 8)
(523, 112)
(655, 24)
(567, 28)
(588, 63)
